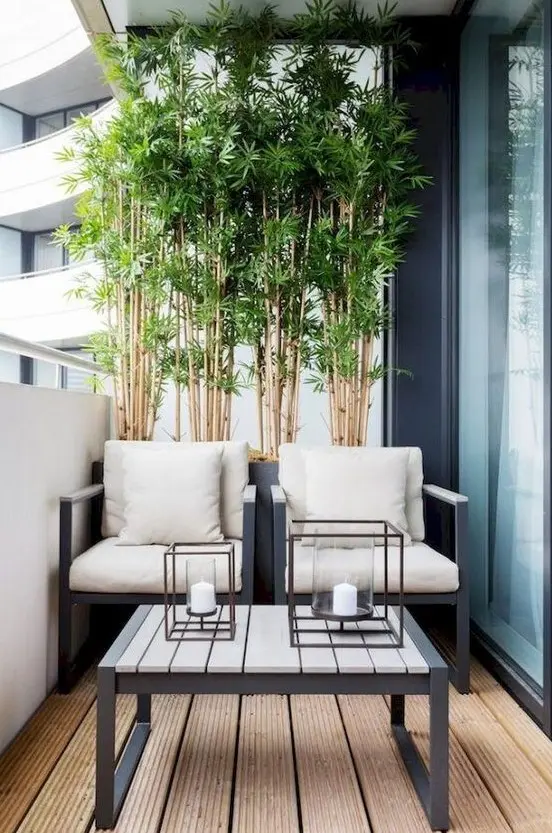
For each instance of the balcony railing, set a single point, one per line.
(30, 174)
(37, 306)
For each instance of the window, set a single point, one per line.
(47, 254)
(502, 340)
(45, 125)
(49, 123)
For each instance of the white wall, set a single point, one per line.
(11, 128)
(313, 415)
(48, 441)
(10, 253)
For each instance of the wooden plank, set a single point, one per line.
(524, 732)
(385, 660)
(522, 794)
(410, 655)
(227, 657)
(159, 654)
(145, 802)
(328, 789)
(315, 660)
(265, 798)
(27, 763)
(268, 650)
(138, 646)
(388, 792)
(472, 806)
(200, 795)
(191, 657)
(66, 803)
(350, 660)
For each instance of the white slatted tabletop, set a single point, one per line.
(262, 646)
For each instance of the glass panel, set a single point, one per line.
(501, 326)
(47, 254)
(77, 112)
(45, 125)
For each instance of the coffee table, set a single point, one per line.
(260, 661)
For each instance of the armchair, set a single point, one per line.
(109, 574)
(430, 577)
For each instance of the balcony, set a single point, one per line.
(36, 307)
(46, 59)
(32, 194)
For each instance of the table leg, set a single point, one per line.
(397, 709)
(105, 748)
(112, 784)
(438, 810)
(432, 787)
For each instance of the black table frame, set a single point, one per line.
(113, 779)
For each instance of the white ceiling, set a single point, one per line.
(46, 217)
(74, 82)
(124, 13)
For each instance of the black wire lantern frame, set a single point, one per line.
(181, 624)
(298, 635)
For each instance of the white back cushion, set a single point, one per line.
(357, 486)
(171, 496)
(292, 478)
(234, 479)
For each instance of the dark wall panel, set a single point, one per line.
(423, 404)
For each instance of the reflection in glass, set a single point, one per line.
(501, 328)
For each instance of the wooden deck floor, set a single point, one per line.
(272, 764)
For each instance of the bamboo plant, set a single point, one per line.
(356, 148)
(260, 201)
(130, 292)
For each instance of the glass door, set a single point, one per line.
(501, 324)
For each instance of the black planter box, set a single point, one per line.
(263, 475)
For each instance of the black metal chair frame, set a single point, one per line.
(93, 496)
(460, 671)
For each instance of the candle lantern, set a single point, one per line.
(342, 582)
(343, 555)
(192, 610)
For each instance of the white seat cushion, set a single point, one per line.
(234, 479)
(292, 477)
(107, 568)
(425, 570)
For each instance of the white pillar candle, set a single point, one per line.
(344, 599)
(202, 597)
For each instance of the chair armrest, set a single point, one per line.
(444, 495)
(459, 505)
(248, 542)
(277, 494)
(279, 524)
(86, 493)
(250, 494)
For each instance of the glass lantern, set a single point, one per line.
(201, 585)
(343, 576)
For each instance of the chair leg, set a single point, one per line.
(461, 677)
(65, 670)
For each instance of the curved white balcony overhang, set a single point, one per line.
(46, 60)
(75, 81)
(123, 13)
(35, 307)
(32, 193)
